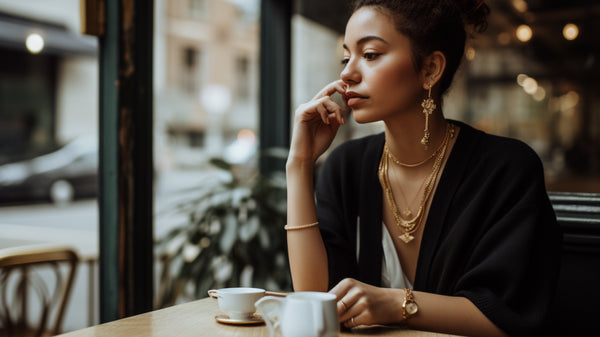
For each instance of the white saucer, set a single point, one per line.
(254, 319)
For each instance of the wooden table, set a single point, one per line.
(197, 318)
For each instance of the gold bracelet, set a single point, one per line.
(293, 228)
(409, 307)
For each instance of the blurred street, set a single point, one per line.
(81, 215)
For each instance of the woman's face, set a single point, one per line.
(381, 81)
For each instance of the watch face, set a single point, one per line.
(411, 308)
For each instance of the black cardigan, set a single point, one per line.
(491, 235)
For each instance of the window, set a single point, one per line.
(206, 101)
(243, 82)
(190, 72)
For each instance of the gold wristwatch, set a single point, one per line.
(409, 306)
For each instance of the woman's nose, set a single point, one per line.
(350, 74)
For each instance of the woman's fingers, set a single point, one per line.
(354, 300)
(359, 303)
(331, 88)
(322, 110)
(333, 109)
(359, 319)
(352, 308)
(316, 123)
(325, 107)
(342, 287)
(344, 295)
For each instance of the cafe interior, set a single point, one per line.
(532, 75)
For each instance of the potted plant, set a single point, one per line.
(233, 237)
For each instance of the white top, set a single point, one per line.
(392, 275)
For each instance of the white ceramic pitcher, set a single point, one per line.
(300, 314)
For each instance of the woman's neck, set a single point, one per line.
(403, 136)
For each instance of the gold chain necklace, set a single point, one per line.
(407, 212)
(398, 162)
(410, 226)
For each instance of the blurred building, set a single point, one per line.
(206, 77)
(50, 96)
(48, 77)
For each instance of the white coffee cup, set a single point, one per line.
(300, 314)
(237, 303)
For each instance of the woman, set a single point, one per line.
(432, 223)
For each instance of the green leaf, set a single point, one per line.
(220, 163)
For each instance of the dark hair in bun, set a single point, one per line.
(435, 25)
(474, 14)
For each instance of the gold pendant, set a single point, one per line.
(406, 237)
(407, 213)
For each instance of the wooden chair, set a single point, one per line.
(20, 278)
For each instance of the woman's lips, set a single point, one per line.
(354, 99)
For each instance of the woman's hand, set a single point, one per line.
(360, 303)
(315, 124)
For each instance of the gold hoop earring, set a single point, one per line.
(428, 108)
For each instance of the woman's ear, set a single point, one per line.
(433, 69)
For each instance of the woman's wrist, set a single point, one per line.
(299, 166)
(409, 305)
(398, 309)
(398, 298)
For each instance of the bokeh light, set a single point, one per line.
(520, 5)
(570, 31)
(504, 38)
(521, 79)
(530, 85)
(524, 33)
(34, 43)
(246, 135)
(539, 94)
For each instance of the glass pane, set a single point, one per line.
(48, 139)
(206, 106)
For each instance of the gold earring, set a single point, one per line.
(428, 107)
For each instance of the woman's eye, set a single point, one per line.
(371, 56)
(345, 61)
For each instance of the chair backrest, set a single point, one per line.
(20, 278)
(575, 311)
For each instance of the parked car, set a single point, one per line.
(60, 176)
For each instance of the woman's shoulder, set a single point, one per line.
(499, 149)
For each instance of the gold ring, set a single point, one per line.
(344, 304)
(352, 320)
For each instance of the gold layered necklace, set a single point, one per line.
(398, 162)
(409, 226)
(407, 212)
